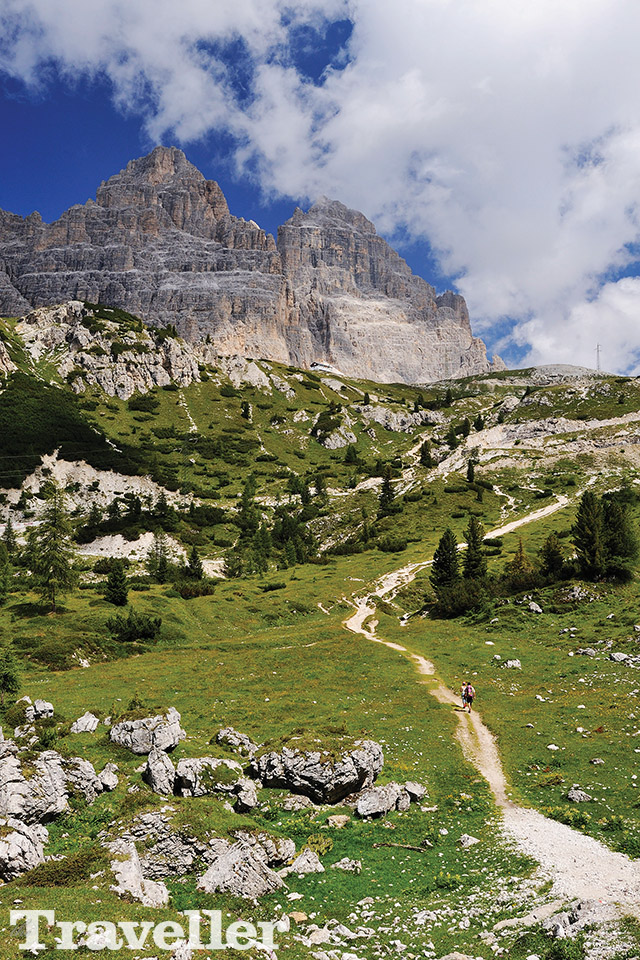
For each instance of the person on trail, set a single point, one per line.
(462, 690)
(468, 696)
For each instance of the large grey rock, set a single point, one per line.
(44, 794)
(159, 772)
(81, 777)
(247, 795)
(307, 861)
(167, 852)
(318, 775)
(109, 777)
(203, 775)
(21, 847)
(377, 801)
(576, 795)
(236, 740)
(160, 242)
(140, 736)
(241, 872)
(273, 850)
(129, 880)
(618, 657)
(87, 723)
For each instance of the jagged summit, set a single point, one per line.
(160, 242)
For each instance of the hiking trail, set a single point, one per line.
(581, 867)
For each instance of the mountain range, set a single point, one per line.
(159, 241)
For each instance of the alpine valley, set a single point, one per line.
(264, 507)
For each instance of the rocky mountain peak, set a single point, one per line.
(159, 242)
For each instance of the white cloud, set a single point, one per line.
(506, 132)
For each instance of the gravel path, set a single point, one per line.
(581, 868)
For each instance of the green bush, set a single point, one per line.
(134, 627)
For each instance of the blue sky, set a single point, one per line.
(495, 143)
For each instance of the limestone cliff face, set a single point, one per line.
(159, 242)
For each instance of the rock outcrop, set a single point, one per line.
(43, 794)
(242, 872)
(316, 774)
(140, 736)
(21, 847)
(159, 241)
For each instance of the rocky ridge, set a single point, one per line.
(159, 241)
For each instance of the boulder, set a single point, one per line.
(416, 791)
(167, 852)
(87, 723)
(307, 861)
(618, 657)
(338, 821)
(108, 778)
(296, 803)
(351, 866)
(466, 840)
(38, 710)
(140, 736)
(241, 872)
(129, 879)
(317, 774)
(586, 652)
(273, 850)
(21, 847)
(377, 801)
(199, 776)
(512, 665)
(81, 778)
(159, 772)
(576, 795)
(38, 799)
(247, 795)
(534, 607)
(236, 741)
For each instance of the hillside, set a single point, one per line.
(315, 503)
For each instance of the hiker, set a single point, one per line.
(468, 696)
(462, 689)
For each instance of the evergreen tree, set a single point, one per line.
(474, 564)
(416, 406)
(387, 496)
(471, 471)
(448, 397)
(350, 455)
(158, 558)
(452, 437)
(620, 540)
(501, 416)
(551, 557)
(519, 571)
(248, 518)
(9, 675)
(113, 510)
(426, 458)
(588, 536)
(117, 591)
(245, 410)
(366, 400)
(134, 508)
(445, 569)
(5, 573)
(95, 517)
(478, 423)
(194, 568)
(466, 427)
(49, 553)
(321, 486)
(9, 538)
(290, 553)
(233, 565)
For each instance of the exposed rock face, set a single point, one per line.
(203, 775)
(159, 241)
(87, 723)
(392, 796)
(323, 779)
(44, 794)
(21, 847)
(130, 882)
(141, 736)
(241, 871)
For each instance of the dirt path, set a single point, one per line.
(580, 867)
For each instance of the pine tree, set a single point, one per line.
(95, 517)
(117, 591)
(466, 427)
(518, 572)
(478, 423)
(445, 569)
(248, 518)
(448, 397)
(194, 569)
(158, 558)
(5, 573)
(350, 455)
(426, 458)
(134, 508)
(387, 496)
(245, 410)
(620, 538)
(588, 536)
(471, 471)
(113, 510)
(233, 565)
(9, 538)
(49, 552)
(321, 486)
(452, 437)
(474, 564)
(9, 675)
(551, 557)
(366, 400)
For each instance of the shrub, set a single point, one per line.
(136, 626)
(392, 544)
(460, 597)
(147, 403)
(74, 869)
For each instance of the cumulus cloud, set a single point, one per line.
(505, 132)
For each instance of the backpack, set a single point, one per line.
(469, 692)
